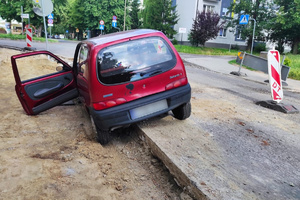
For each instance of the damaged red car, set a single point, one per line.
(120, 78)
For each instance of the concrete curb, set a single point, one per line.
(179, 176)
(12, 47)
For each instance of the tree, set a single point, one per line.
(134, 14)
(258, 10)
(85, 15)
(60, 11)
(160, 15)
(10, 10)
(285, 25)
(206, 26)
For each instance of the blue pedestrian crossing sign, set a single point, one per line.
(51, 16)
(114, 24)
(101, 27)
(244, 19)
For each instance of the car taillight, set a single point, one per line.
(177, 83)
(107, 104)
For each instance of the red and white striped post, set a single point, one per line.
(29, 37)
(274, 69)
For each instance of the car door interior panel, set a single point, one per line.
(55, 101)
(44, 88)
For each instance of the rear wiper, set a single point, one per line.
(151, 73)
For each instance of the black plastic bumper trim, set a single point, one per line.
(119, 116)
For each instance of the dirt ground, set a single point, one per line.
(54, 155)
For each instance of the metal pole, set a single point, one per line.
(253, 35)
(124, 16)
(22, 18)
(45, 26)
(242, 62)
(181, 39)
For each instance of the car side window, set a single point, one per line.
(82, 60)
(37, 66)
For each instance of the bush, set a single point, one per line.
(287, 61)
(174, 41)
(260, 47)
(206, 26)
(294, 74)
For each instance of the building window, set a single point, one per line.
(208, 8)
(238, 34)
(224, 11)
(222, 32)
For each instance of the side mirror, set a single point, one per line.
(59, 68)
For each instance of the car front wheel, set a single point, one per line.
(183, 111)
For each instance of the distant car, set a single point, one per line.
(120, 78)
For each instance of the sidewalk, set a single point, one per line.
(221, 65)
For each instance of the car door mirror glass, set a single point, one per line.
(59, 68)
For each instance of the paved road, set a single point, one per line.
(61, 48)
(231, 148)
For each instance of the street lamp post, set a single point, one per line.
(253, 34)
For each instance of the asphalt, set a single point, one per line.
(220, 64)
(179, 149)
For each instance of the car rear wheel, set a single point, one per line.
(183, 111)
(102, 136)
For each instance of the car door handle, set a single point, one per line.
(46, 91)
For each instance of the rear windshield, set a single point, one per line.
(134, 60)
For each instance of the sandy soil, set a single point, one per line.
(54, 155)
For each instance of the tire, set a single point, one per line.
(183, 111)
(102, 136)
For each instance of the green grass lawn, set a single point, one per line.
(295, 66)
(23, 37)
(205, 50)
(295, 59)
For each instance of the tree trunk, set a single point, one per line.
(40, 30)
(295, 46)
(249, 43)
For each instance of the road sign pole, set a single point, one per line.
(45, 25)
(22, 18)
(253, 35)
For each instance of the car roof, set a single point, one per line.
(102, 39)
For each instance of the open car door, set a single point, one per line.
(42, 81)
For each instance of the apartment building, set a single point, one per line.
(187, 9)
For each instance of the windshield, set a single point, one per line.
(134, 60)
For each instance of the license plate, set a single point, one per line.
(148, 109)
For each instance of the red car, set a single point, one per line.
(120, 78)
